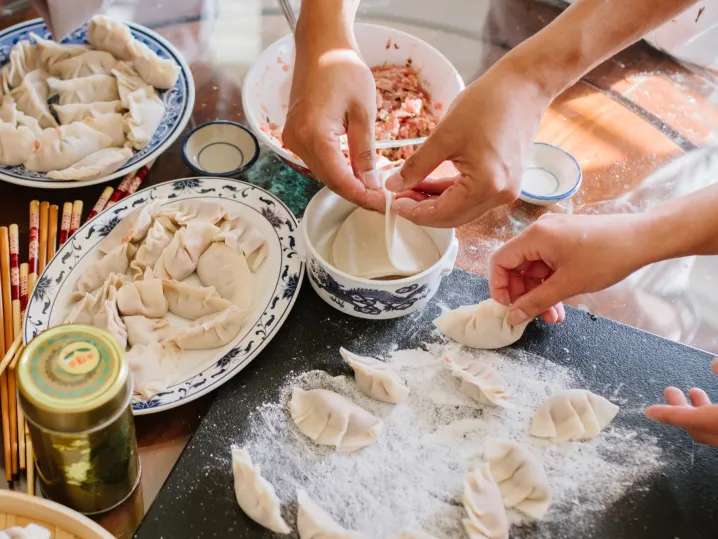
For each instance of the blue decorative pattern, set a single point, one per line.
(178, 100)
(289, 272)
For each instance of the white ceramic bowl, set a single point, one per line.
(265, 91)
(551, 175)
(366, 298)
(220, 148)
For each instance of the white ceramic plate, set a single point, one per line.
(179, 102)
(278, 281)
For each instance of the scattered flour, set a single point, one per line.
(413, 476)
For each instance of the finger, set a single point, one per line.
(685, 417)
(536, 301)
(674, 396)
(362, 151)
(420, 164)
(561, 310)
(435, 186)
(413, 195)
(704, 437)
(698, 397)
(550, 316)
(714, 365)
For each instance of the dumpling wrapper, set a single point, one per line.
(210, 331)
(128, 81)
(313, 522)
(95, 274)
(31, 98)
(16, 143)
(159, 72)
(50, 52)
(192, 302)
(574, 414)
(146, 331)
(145, 297)
(76, 112)
(149, 364)
(24, 58)
(84, 89)
(59, 147)
(115, 37)
(179, 259)
(479, 381)
(84, 64)
(485, 512)
(146, 111)
(158, 237)
(375, 379)
(98, 164)
(111, 124)
(227, 271)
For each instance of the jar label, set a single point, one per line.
(79, 358)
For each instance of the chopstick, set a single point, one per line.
(76, 216)
(29, 462)
(8, 323)
(101, 202)
(34, 245)
(42, 253)
(24, 288)
(129, 184)
(15, 277)
(65, 222)
(52, 233)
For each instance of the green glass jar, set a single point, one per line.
(75, 391)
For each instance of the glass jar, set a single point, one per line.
(75, 391)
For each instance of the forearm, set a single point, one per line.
(325, 24)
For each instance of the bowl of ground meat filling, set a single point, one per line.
(415, 85)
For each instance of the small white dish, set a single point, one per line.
(374, 299)
(551, 175)
(220, 148)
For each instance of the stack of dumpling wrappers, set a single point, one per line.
(191, 259)
(77, 112)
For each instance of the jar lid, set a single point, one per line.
(73, 378)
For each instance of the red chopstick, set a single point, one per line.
(101, 203)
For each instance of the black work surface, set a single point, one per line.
(680, 502)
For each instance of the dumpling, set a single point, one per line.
(180, 257)
(479, 381)
(313, 522)
(521, 478)
(88, 304)
(50, 52)
(75, 112)
(211, 331)
(486, 516)
(24, 58)
(112, 36)
(95, 165)
(128, 81)
(375, 379)
(94, 275)
(159, 72)
(240, 236)
(31, 531)
(574, 414)
(108, 318)
(16, 143)
(148, 366)
(193, 302)
(186, 211)
(413, 534)
(145, 115)
(111, 124)
(81, 65)
(8, 110)
(158, 237)
(146, 331)
(59, 147)
(145, 297)
(328, 418)
(480, 326)
(132, 228)
(85, 89)
(255, 495)
(31, 98)
(227, 270)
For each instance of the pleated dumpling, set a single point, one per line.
(147, 331)
(149, 365)
(239, 235)
(520, 476)
(574, 414)
(227, 270)
(132, 228)
(375, 379)
(81, 65)
(413, 534)
(313, 522)
(186, 211)
(144, 297)
(24, 58)
(159, 72)
(255, 495)
(56, 148)
(50, 52)
(328, 418)
(159, 236)
(479, 381)
(111, 124)
(128, 81)
(485, 513)
(179, 259)
(16, 143)
(94, 275)
(31, 98)
(88, 304)
(97, 164)
(76, 112)
(112, 36)
(87, 89)
(483, 325)
(210, 331)
(193, 302)
(145, 114)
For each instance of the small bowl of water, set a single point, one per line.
(220, 148)
(550, 176)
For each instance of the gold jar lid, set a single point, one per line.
(73, 378)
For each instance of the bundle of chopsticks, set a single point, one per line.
(17, 282)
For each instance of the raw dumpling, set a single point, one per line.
(227, 270)
(480, 326)
(239, 235)
(95, 165)
(158, 237)
(180, 257)
(375, 379)
(328, 418)
(255, 495)
(484, 506)
(31, 531)
(479, 381)
(85, 89)
(95, 274)
(8, 110)
(128, 81)
(24, 58)
(146, 331)
(132, 228)
(59, 147)
(148, 365)
(210, 331)
(144, 298)
(88, 305)
(159, 72)
(81, 65)
(145, 114)
(16, 143)
(112, 36)
(521, 478)
(75, 112)
(108, 318)
(193, 302)
(413, 534)
(31, 98)
(50, 52)
(111, 124)
(182, 213)
(574, 414)
(313, 522)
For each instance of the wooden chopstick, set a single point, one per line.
(76, 218)
(42, 252)
(14, 238)
(19, 418)
(24, 288)
(9, 337)
(101, 202)
(52, 233)
(29, 463)
(34, 245)
(130, 184)
(65, 222)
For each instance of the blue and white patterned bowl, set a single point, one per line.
(178, 101)
(367, 298)
(276, 289)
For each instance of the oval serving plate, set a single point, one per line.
(179, 102)
(278, 280)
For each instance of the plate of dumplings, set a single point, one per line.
(192, 277)
(108, 99)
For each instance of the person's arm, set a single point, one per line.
(489, 128)
(333, 93)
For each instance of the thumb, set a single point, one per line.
(536, 301)
(421, 163)
(362, 152)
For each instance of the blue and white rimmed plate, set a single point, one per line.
(178, 101)
(277, 287)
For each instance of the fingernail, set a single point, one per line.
(371, 179)
(395, 182)
(517, 316)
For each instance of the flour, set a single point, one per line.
(413, 476)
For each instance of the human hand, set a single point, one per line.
(333, 93)
(560, 256)
(699, 417)
(486, 133)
